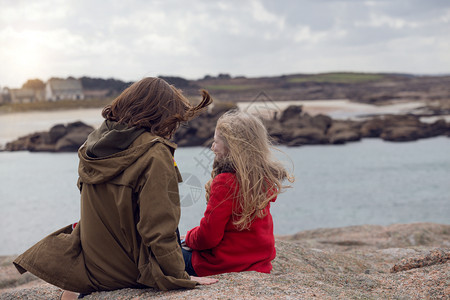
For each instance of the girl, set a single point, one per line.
(236, 232)
(130, 206)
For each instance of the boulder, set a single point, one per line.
(70, 142)
(372, 128)
(57, 132)
(198, 131)
(376, 126)
(77, 134)
(59, 138)
(440, 127)
(17, 145)
(307, 136)
(32, 142)
(342, 132)
(43, 148)
(292, 111)
(401, 134)
(278, 133)
(321, 122)
(192, 141)
(297, 122)
(344, 137)
(302, 121)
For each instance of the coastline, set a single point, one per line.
(335, 108)
(368, 261)
(16, 125)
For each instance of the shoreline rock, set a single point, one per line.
(60, 138)
(354, 262)
(292, 128)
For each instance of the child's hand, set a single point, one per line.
(204, 280)
(183, 243)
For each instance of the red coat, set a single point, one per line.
(219, 247)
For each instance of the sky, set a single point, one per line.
(132, 39)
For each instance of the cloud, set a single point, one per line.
(136, 38)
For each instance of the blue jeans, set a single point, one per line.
(187, 255)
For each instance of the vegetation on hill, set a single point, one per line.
(374, 88)
(179, 82)
(113, 85)
(337, 78)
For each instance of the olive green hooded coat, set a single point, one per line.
(130, 209)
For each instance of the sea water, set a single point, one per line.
(367, 182)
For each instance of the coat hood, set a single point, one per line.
(110, 138)
(112, 148)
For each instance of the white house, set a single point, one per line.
(63, 89)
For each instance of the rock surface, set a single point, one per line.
(60, 138)
(293, 128)
(402, 261)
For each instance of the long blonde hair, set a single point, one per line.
(249, 155)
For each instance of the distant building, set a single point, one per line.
(63, 89)
(96, 93)
(5, 96)
(25, 95)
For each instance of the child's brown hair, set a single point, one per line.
(154, 104)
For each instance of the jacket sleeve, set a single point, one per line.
(218, 213)
(159, 211)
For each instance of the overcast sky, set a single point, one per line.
(132, 39)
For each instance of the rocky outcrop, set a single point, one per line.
(434, 257)
(60, 138)
(198, 132)
(295, 128)
(401, 261)
(292, 128)
(401, 128)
